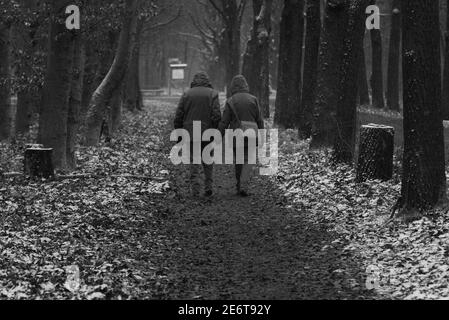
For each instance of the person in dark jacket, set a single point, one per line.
(200, 103)
(247, 108)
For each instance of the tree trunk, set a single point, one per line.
(256, 64)
(113, 79)
(232, 35)
(132, 97)
(147, 65)
(55, 98)
(100, 63)
(5, 94)
(377, 88)
(23, 113)
(116, 113)
(328, 79)
(27, 44)
(375, 153)
(312, 43)
(76, 93)
(362, 86)
(394, 58)
(445, 93)
(288, 96)
(423, 179)
(346, 117)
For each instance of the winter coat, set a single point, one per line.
(245, 104)
(200, 103)
(247, 108)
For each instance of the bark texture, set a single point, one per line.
(75, 99)
(231, 12)
(55, 98)
(377, 87)
(328, 79)
(346, 117)
(394, 58)
(132, 97)
(362, 86)
(311, 47)
(375, 153)
(445, 93)
(26, 94)
(5, 102)
(256, 62)
(116, 74)
(288, 96)
(38, 163)
(423, 179)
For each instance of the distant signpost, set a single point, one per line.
(177, 75)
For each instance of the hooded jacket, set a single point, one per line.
(245, 104)
(200, 103)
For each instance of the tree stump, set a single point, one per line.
(375, 153)
(38, 162)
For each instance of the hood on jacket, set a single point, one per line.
(239, 85)
(201, 79)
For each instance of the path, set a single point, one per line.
(255, 248)
(148, 240)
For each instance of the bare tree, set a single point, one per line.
(76, 93)
(394, 58)
(377, 87)
(208, 23)
(362, 85)
(113, 80)
(146, 24)
(27, 44)
(328, 79)
(56, 91)
(424, 178)
(256, 63)
(5, 103)
(288, 98)
(344, 144)
(311, 47)
(132, 97)
(445, 92)
(231, 13)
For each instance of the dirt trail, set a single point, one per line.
(229, 247)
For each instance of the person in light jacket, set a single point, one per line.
(247, 108)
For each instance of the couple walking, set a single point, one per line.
(201, 103)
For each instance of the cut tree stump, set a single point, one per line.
(38, 162)
(375, 153)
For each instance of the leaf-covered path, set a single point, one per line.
(309, 232)
(259, 247)
(255, 248)
(148, 240)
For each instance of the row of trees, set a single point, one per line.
(322, 75)
(231, 50)
(325, 107)
(73, 78)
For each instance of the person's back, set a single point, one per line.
(247, 108)
(241, 107)
(200, 103)
(245, 105)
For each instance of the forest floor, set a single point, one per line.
(308, 232)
